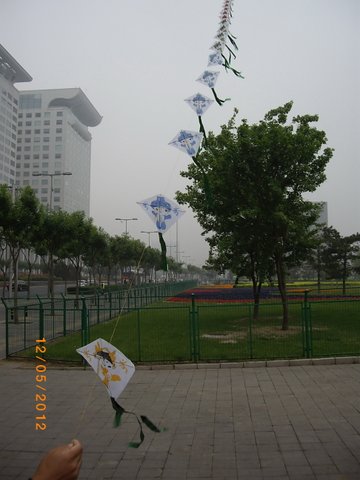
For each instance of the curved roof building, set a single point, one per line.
(53, 140)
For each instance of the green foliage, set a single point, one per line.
(258, 221)
(339, 254)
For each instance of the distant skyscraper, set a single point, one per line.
(53, 139)
(323, 216)
(10, 72)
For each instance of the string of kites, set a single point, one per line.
(163, 211)
(112, 366)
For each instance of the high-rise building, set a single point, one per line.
(323, 216)
(54, 146)
(10, 72)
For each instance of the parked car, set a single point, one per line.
(22, 286)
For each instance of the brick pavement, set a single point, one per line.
(291, 422)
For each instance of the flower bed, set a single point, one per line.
(215, 294)
(221, 295)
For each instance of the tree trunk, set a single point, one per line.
(28, 281)
(15, 257)
(256, 295)
(280, 271)
(344, 275)
(318, 270)
(51, 276)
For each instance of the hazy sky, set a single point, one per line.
(137, 60)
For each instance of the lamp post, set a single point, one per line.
(126, 220)
(149, 233)
(51, 175)
(170, 250)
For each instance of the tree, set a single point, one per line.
(339, 254)
(244, 257)
(95, 250)
(49, 239)
(151, 261)
(18, 219)
(248, 184)
(79, 229)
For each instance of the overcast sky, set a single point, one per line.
(137, 60)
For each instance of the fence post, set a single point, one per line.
(110, 305)
(97, 306)
(64, 314)
(194, 332)
(84, 324)
(307, 326)
(6, 328)
(41, 318)
(139, 334)
(250, 331)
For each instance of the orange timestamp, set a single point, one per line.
(40, 378)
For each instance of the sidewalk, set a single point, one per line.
(255, 423)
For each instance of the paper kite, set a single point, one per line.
(115, 370)
(215, 59)
(164, 213)
(188, 142)
(199, 103)
(209, 78)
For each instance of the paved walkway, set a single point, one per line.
(300, 422)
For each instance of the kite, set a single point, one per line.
(188, 142)
(209, 78)
(222, 36)
(164, 213)
(218, 58)
(115, 370)
(200, 104)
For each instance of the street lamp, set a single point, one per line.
(170, 247)
(149, 233)
(51, 175)
(126, 220)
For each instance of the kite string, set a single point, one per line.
(95, 381)
(130, 288)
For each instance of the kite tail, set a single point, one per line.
(218, 100)
(164, 265)
(231, 52)
(229, 67)
(119, 410)
(233, 43)
(207, 189)
(202, 129)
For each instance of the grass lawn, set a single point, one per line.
(170, 333)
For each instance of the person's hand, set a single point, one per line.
(60, 463)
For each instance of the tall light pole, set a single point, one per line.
(51, 175)
(149, 233)
(170, 247)
(126, 220)
(186, 256)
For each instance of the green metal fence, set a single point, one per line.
(53, 318)
(147, 331)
